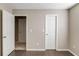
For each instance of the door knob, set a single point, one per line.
(4, 36)
(46, 34)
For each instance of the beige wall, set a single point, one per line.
(36, 24)
(74, 29)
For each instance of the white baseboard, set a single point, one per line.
(67, 50)
(72, 52)
(61, 49)
(35, 49)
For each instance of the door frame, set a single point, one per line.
(26, 27)
(56, 30)
(1, 33)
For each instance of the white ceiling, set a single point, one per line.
(40, 5)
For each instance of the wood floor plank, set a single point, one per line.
(40, 53)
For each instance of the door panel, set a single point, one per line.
(22, 30)
(8, 33)
(50, 32)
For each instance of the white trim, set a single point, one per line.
(35, 49)
(62, 49)
(56, 37)
(26, 27)
(72, 52)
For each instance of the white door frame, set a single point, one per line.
(56, 30)
(26, 27)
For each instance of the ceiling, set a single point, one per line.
(39, 5)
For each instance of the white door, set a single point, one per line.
(8, 33)
(50, 32)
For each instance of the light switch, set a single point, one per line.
(74, 46)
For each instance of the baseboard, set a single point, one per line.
(67, 50)
(61, 49)
(72, 52)
(35, 49)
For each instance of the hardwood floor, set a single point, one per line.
(40, 53)
(20, 46)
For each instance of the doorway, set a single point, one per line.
(20, 32)
(50, 32)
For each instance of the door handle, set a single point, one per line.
(46, 34)
(4, 36)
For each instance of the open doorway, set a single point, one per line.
(20, 32)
